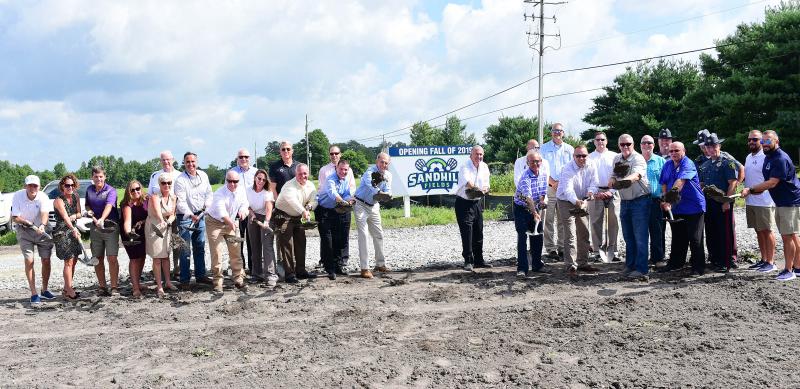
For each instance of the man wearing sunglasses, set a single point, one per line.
(784, 188)
(280, 172)
(634, 210)
(193, 191)
(656, 224)
(759, 208)
(576, 186)
(29, 210)
(227, 204)
(326, 173)
(247, 175)
(607, 198)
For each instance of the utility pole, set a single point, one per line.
(308, 149)
(539, 39)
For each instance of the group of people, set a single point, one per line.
(571, 203)
(568, 206)
(177, 213)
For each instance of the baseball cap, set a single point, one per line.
(32, 180)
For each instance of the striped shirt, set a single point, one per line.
(531, 185)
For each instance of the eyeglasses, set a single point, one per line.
(766, 141)
(625, 144)
(260, 179)
(286, 149)
(166, 183)
(600, 140)
(536, 148)
(69, 185)
(536, 161)
(233, 181)
(335, 153)
(581, 155)
(674, 151)
(136, 189)
(644, 142)
(244, 156)
(557, 131)
(753, 139)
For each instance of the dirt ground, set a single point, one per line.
(436, 327)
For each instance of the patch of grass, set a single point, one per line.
(502, 184)
(8, 239)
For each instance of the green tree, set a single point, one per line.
(59, 170)
(422, 134)
(644, 100)
(506, 140)
(216, 175)
(754, 83)
(455, 133)
(358, 162)
(318, 146)
(272, 153)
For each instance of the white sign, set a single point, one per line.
(426, 170)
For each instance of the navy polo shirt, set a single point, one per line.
(779, 165)
(718, 172)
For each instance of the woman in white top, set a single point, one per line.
(261, 237)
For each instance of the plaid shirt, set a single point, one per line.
(531, 185)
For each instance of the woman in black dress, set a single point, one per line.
(66, 236)
(134, 213)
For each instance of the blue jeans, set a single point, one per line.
(634, 215)
(657, 227)
(522, 220)
(198, 239)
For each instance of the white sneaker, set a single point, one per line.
(521, 274)
(468, 267)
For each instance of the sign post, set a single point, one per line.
(426, 170)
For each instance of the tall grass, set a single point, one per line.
(426, 216)
(502, 184)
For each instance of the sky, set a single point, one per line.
(132, 78)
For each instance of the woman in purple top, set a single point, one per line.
(134, 213)
(101, 203)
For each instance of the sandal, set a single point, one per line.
(71, 298)
(137, 295)
(161, 294)
(172, 288)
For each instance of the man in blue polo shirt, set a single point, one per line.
(784, 188)
(656, 223)
(679, 174)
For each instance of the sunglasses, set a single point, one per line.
(136, 189)
(581, 155)
(536, 161)
(625, 144)
(600, 140)
(766, 141)
(647, 143)
(260, 179)
(69, 185)
(286, 149)
(233, 181)
(166, 183)
(244, 156)
(335, 153)
(674, 151)
(753, 139)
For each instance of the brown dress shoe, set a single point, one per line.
(382, 269)
(588, 268)
(366, 274)
(572, 272)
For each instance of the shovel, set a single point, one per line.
(672, 218)
(193, 227)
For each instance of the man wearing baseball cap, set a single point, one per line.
(29, 211)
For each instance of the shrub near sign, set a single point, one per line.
(426, 170)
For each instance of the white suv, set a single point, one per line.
(5, 211)
(52, 191)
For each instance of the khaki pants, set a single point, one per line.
(574, 227)
(215, 231)
(368, 222)
(551, 242)
(597, 221)
(291, 240)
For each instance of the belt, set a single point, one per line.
(362, 200)
(283, 215)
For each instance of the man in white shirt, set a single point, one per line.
(576, 188)
(153, 188)
(367, 211)
(326, 173)
(557, 154)
(247, 174)
(29, 210)
(193, 191)
(759, 208)
(298, 196)
(605, 198)
(473, 183)
(227, 204)
(521, 164)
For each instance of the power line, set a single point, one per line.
(663, 25)
(554, 72)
